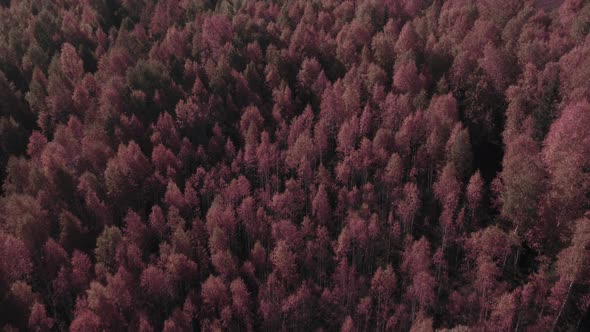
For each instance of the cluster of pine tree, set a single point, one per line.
(319, 165)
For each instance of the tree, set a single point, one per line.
(164, 161)
(291, 202)
(15, 262)
(144, 324)
(321, 206)
(500, 12)
(250, 126)
(416, 258)
(497, 67)
(485, 283)
(216, 32)
(157, 221)
(241, 301)
(81, 270)
(409, 205)
(459, 151)
(298, 307)
(54, 258)
(447, 189)
(406, 78)
(504, 311)
(422, 290)
(383, 44)
(71, 64)
(411, 134)
(422, 324)
(156, 283)
(135, 229)
(348, 325)
(225, 264)
(215, 294)
(383, 286)
(106, 246)
(310, 69)
(572, 268)
(566, 154)
(267, 156)
(38, 320)
(23, 217)
(179, 321)
(86, 321)
(173, 198)
(126, 172)
(166, 132)
(408, 39)
(37, 143)
(522, 182)
(294, 165)
(475, 192)
(283, 261)
(417, 264)
(394, 171)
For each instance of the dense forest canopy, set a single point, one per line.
(244, 165)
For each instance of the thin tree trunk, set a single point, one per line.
(483, 309)
(388, 244)
(562, 306)
(504, 263)
(517, 257)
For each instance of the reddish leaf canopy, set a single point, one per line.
(253, 165)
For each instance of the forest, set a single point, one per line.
(305, 165)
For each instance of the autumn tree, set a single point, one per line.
(521, 182)
(126, 173)
(566, 154)
(571, 268)
(326, 165)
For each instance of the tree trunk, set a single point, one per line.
(562, 306)
(517, 257)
